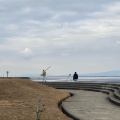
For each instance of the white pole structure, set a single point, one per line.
(68, 76)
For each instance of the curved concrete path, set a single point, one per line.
(89, 105)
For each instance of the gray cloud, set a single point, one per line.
(59, 33)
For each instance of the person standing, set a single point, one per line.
(75, 76)
(44, 75)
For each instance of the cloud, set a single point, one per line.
(83, 32)
(64, 54)
(118, 41)
(11, 27)
(27, 53)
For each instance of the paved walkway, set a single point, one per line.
(88, 105)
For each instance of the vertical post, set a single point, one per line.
(38, 104)
(38, 109)
(7, 73)
(36, 116)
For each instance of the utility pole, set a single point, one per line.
(7, 73)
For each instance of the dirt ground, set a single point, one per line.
(19, 100)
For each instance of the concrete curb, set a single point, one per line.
(113, 91)
(68, 113)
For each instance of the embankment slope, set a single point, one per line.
(19, 100)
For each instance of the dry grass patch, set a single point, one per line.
(19, 99)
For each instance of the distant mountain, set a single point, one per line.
(107, 73)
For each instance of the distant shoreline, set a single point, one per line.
(15, 77)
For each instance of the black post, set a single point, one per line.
(7, 73)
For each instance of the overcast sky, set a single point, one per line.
(68, 35)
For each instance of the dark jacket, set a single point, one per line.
(75, 76)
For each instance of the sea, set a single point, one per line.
(96, 79)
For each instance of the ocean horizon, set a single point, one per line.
(110, 79)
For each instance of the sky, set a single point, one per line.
(80, 36)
